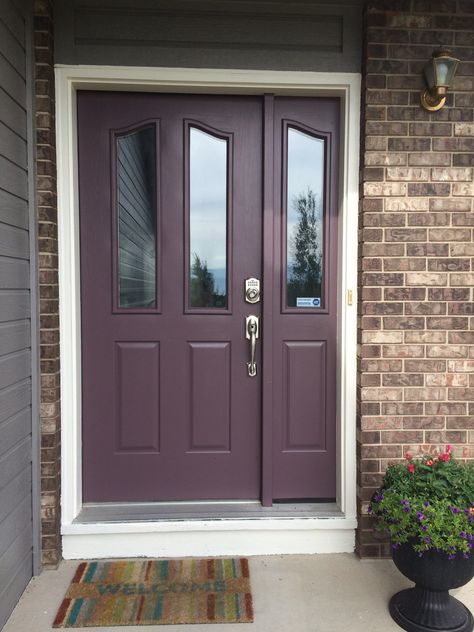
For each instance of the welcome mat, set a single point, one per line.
(150, 592)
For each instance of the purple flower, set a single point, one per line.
(455, 510)
(395, 546)
(406, 509)
(419, 515)
(463, 535)
(470, 519)
(427, 539)
(465, 556)
(426, 503)
(379, 497)
(469, 545)
(451, 556)
(423, 527)
(369, 509)
(405, 502)
(469, 537)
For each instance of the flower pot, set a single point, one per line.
(429, 606)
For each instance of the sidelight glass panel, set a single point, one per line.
(136, 195)
(208, 220)
(305, 200)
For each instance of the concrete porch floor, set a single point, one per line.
(324, 593)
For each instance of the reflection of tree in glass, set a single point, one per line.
(304, 265)
(203, 292)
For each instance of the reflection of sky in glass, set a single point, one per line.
(305, 170)
(208, 203)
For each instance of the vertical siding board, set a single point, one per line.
(12, 50)
(14, 367)
(15, 522)
(15, 553)
(15, 586)
(13, 20)
(16, 542)
(14, 305)
(13, 146)
(12, 82)
(13, 114)
(14, 489)
(15, 461)
(14, 274)
(14, 242)
(13, 399)
(13, 179)
(15, 430)
(13, 210)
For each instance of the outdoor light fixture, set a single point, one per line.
(439, 74)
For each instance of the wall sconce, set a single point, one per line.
(439, 74)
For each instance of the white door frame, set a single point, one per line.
(204, 537)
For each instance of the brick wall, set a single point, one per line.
(48, 282)
(416, 327)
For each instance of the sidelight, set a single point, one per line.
(136, 215)
(304, 217)
(207, 220)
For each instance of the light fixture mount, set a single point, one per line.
(439, 74)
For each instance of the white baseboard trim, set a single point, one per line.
(208, 538)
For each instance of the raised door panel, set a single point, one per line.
(210, 390)
(138, 396)
(304, 397)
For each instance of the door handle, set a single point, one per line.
(252, 333)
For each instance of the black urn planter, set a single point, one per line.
(428, 606)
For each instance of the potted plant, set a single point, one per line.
(426, 506)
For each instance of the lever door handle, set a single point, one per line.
(252, 334)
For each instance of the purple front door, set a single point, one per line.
(172, 189)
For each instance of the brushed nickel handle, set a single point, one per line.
(252, 333)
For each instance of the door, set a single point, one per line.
(171, 225)
(305, 302)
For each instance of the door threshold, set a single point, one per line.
(202, 510)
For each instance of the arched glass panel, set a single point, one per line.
(136, 201)
(305, 208)
(207, 220)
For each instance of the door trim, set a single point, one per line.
(269, 535)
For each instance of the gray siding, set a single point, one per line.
(269, 34)
(16, 532)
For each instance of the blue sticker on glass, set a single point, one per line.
(307, 301)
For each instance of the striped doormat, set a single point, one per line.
(147, 592)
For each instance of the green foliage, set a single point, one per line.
(202, 286)
(305, 274)
(428, 502)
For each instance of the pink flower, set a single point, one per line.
(411, 468)
(449, 449)
(430, 462)
(408, 456)
(443, 457)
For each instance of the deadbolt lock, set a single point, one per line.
(252, 290)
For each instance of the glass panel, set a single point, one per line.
(136, 195)
(305, 182)
(208, 220)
